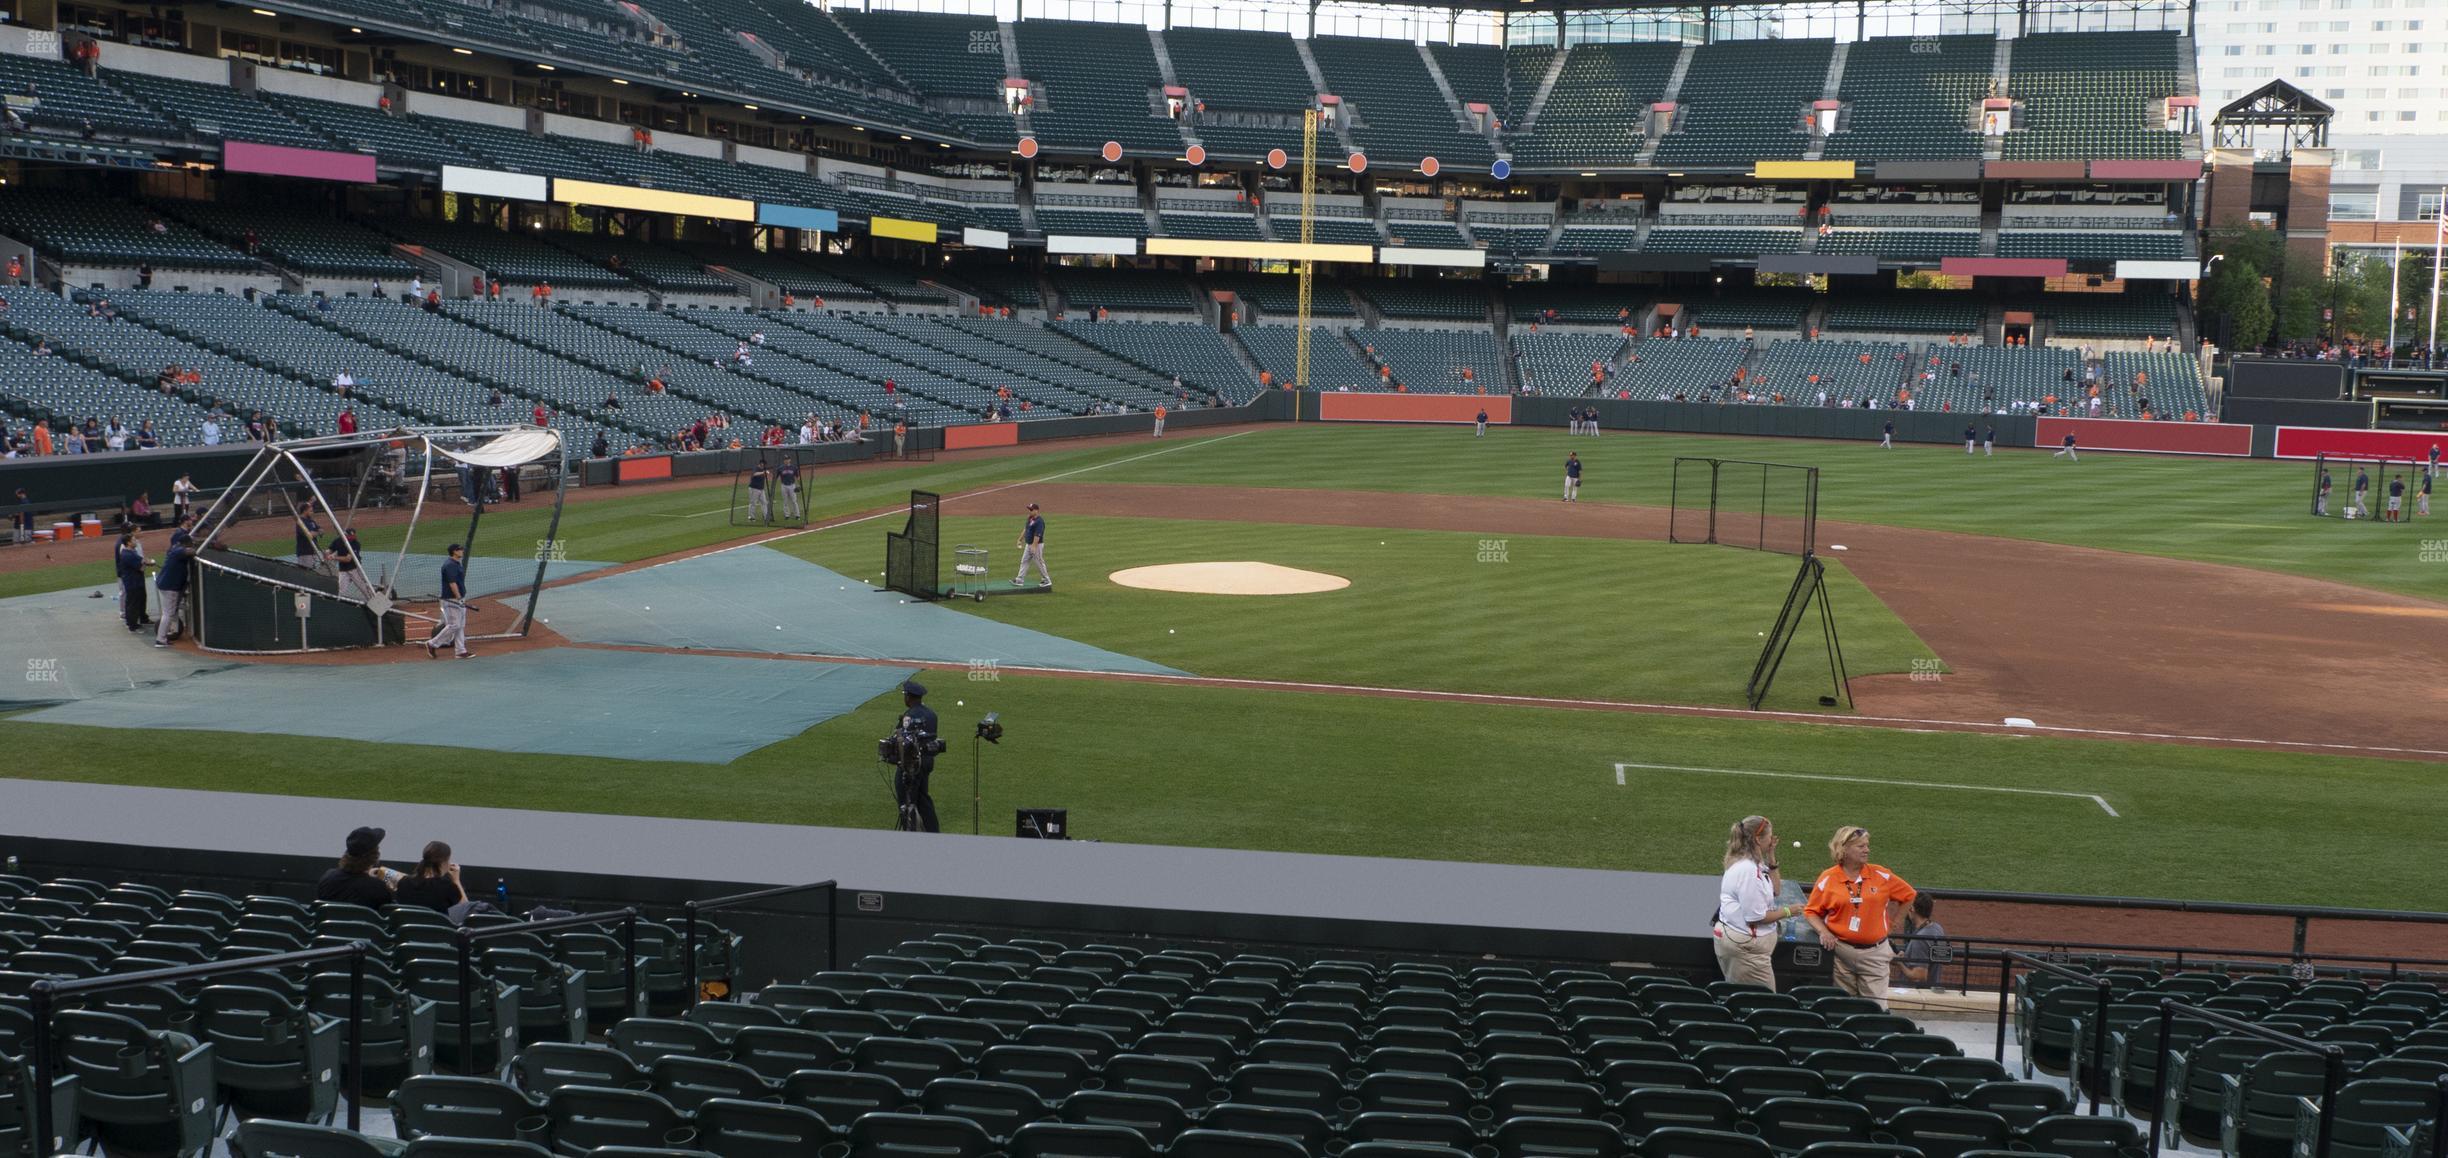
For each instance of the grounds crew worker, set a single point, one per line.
(910, 791)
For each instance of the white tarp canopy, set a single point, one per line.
(513, 449)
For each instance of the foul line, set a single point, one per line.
(2095, 799)
(891, 511)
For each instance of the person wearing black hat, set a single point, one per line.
(358, 879)
(910, 783)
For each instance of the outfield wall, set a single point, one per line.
(1773, 421)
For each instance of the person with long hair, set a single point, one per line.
(434, 883)
(1851, 906)
(359, 878)
(1745, 927)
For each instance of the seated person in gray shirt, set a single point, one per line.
(1923, 939)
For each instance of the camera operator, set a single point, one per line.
(916, 762)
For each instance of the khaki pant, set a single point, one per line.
(1862, 970)
(1745, 956)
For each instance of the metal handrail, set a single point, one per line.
(2101, 988)
(1973, 948)
(2332, 1055)
(2302, 915)
(44, 996)
(468, 936)
(690, 909)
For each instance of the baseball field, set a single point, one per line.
(2214, 695)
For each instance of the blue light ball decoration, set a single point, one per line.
(1502, 170)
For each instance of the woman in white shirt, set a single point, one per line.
(1745, 931)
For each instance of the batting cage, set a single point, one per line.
(1763, 506)
(912, 554)
(772, 489)
(330, 591)
(2361, 488)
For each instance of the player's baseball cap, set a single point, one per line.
(1032, 506)
(913, 688)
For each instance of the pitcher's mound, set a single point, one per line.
(1230, 579)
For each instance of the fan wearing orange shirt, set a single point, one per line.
(1852, 905)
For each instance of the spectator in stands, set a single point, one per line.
(1922, 939)
(42, 347)
(435, 884)
(602, 447)
(40, 438)
(144, 275)
(359, 878)
(1851, 907)
(1744, 926)
(348, 420)
(115, 436)
(211, 430)
(75, 442)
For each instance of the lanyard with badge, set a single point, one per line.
(1853, 890)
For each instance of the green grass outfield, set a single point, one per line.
(2245, 512)
(1523, 615)
(1318, 772)
(1381, 777)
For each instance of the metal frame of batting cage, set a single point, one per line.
(798, 456)
(1719, 494)
(2415, 468)
(2333, 1068)
(44, 996)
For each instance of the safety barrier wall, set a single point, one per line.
(1773, 421)
(2148, 437)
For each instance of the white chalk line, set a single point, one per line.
(2092, 797)
(1882, 723)
(868, 518)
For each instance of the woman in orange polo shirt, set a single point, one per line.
(1851, 906)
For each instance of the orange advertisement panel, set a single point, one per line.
(1414, 407)
(645, 467)
(982, 434)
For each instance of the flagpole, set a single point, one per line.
(2439, 247)
(2396, 255)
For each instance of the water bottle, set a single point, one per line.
(501, 894)
(12, 864)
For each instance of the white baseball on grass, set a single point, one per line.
(1797, 844)
(960, 703)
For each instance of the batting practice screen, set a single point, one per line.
(1764, 506)
(911, 554)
